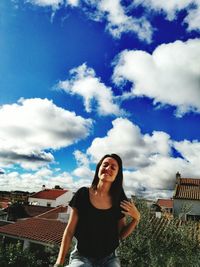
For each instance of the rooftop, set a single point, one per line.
(53, 213)
(187, 188)
(52, 194)
(167, 203)
(34, 210)
(36, 229)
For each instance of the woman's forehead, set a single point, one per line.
(110, 160)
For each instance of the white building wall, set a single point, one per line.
(42, 202)
(191, 207)
(61, 200)
(64, 199)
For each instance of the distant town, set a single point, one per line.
(28, 216)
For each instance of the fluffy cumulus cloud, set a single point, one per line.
(189, 151)
(169, 76)
(125, 138)
(118, 21)
(150, 166)
(21, 181)
(33, 127)
(111, 11)
(193, 18)
(119, 18)
(84, 83)
(83, 170)
(33, 181)
(172, 7)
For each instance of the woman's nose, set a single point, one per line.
(108, 167)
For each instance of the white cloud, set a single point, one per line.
(81, 158)
(112, 11)
(125, 139)
(119, 22)
(172, 7)
(149, 164)
(169, 7)
(83, 170)
(84, 83)
(53, 3)
(193, 19)
(160, 174)
(189, 150)
(73, 3)
(32, 126)
(169, 76)
(48, 177)
(17, 181)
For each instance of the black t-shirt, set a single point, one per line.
(97, 229)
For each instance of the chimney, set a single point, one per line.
(43, 187)
(178, 178)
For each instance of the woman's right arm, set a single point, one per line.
(67, 237)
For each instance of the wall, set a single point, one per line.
(64, 199)
(191, 207)
(41, 202)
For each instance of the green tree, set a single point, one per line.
(169, 246)
(16, 211)
(13, 255)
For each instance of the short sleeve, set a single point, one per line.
(77, 199)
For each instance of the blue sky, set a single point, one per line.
(79, 79)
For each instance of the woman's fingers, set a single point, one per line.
(127, 205)
(130, 209)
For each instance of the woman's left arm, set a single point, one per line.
(129, 209)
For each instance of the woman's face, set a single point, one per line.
(108, 170)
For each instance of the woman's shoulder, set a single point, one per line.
(79, 197)
(82, 190)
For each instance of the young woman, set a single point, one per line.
(97, 218)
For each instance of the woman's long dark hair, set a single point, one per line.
(116, 189)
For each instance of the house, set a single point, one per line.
(34, 230)
(44, 229)
(50, 197)
(42, 225)
(165, 204)
(156, 209)
(186, 199)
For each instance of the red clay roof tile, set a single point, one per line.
(34, 210)
(167, 203)
(188, 188)
(36, 229)
(53, 214)
(49, 194)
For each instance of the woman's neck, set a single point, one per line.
(103, 188)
